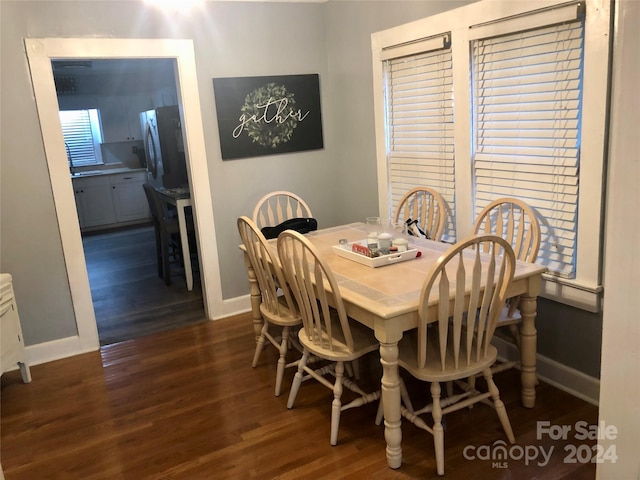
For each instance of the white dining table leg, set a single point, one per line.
(256, 298)
(528, 340)
(184, 239)
(391, 402)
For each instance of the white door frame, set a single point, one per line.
(40, 52)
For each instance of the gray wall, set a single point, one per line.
(570, 336)
(231, 39)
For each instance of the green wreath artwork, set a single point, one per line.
(268, 115)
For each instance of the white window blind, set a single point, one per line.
(526, 94)
(419, 113)
(81, 130)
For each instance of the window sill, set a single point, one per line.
(572, 293)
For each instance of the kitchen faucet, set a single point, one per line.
(70, 159)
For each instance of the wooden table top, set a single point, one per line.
(392, 290)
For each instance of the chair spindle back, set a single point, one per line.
(483, 265)
(271, 279)
(276, 207)
(315, 289)
(516, 222)
(425, 205)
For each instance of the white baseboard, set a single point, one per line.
(68, 347)
(554, 373)
(234, 306)
(55, 350)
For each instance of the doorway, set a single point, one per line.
(40, 52)
(129, 298)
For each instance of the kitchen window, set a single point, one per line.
(527, 114)
(82, 137)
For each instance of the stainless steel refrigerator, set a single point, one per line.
(164, 147)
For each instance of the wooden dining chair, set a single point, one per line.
(276, 207)
(458, 344)
(516, 222)
(425, 205)
(278, 309)
(327, 333)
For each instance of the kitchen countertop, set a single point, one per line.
(111, 171)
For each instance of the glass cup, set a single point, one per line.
(373, 228)
(398, 229)
(400, 236)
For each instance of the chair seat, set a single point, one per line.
(508, 318)
(433, 371)
(363, 342)
(284, 317)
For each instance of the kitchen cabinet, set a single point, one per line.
(120, 116)
(111, 199)
(94, 201)
(129, 200)
(12, 350)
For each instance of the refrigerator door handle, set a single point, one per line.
(150, 150)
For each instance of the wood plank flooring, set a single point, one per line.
(129, 298)
(186, 404)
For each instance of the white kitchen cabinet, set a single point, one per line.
(94, 201)
(111, 199)
(12, 350)
(120, 116)
(129, 200)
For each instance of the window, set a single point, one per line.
(419, 119)
(527, 113)
(82, 138)
(526, 101)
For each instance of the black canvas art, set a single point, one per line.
(268, 115)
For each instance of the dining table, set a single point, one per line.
(386, 299)
(180, 197)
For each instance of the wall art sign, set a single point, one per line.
(268, 115)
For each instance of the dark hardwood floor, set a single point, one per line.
(186, 404)
(129, 298)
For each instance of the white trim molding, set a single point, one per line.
(40, 52)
